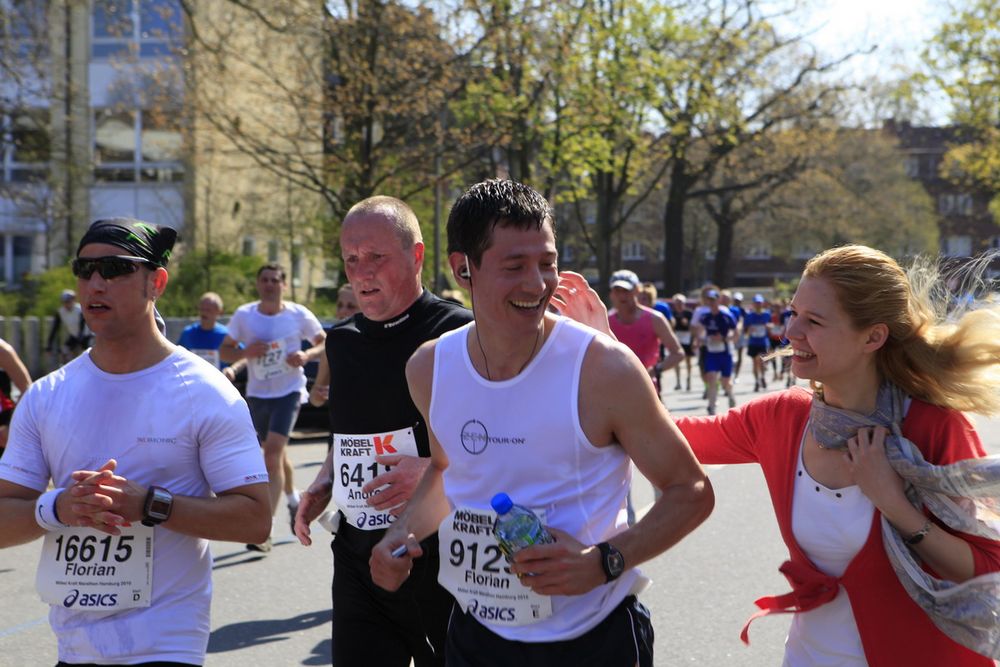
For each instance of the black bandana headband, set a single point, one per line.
(139, 239)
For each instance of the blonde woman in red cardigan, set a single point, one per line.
(890, 379)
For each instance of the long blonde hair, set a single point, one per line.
(946, 355)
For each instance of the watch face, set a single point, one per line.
(159, 505)
(158, 509)
(616, 564)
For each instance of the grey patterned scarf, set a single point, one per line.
(964, 496)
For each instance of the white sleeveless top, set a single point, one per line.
(522, 436)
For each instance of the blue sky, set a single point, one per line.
(899, 28)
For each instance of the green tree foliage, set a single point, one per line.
(965, 61)
(39, 293)
(855, 190)
(611, 155)
(232, 278)
(510, 106)
(745, 182)
(736, 78)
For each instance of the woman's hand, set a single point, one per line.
(575, 299)
(873, 473)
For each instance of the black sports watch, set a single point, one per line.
(159, 502)
(611, 560)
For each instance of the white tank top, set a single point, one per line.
(523, 436)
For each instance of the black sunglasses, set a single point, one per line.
(110, 267)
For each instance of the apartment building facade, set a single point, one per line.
(110, 112)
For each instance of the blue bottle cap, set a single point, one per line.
(501, 503)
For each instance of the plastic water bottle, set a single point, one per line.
(516, 527)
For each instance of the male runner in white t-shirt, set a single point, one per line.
(271, 331)
(552, 413)
(152, 453)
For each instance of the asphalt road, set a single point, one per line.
(275, 609)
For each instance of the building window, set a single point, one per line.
(272, 251)
(930, 166)
(912, 166)
(249, 246)
(955, 204)
(567, 254)
(160, 146)
(15, 257)
(333, 130)
(147, 28)
(633, 250)
(758, 249)
(957, 246)
(134, 146)
(24, 146)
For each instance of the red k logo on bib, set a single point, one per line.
(383, 446)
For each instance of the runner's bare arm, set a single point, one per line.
(104, 501)
(17, 514)
(229, 350)
(316, 498)
(240, 514)
(14, 367)
(618, 405)
(233, 369)
(643, 427)
(428, 505)
(665, 332)
(301, 358)
(319, 394)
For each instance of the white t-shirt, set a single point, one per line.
(831, 526)
(179, 424)
(72, 319)
(269, 376)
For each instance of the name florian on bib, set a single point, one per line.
(92, 570)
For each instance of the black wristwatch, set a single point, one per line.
(159, 502)
(611, 560)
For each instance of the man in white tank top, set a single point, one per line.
(552, 413)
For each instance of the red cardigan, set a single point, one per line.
(768, 430)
